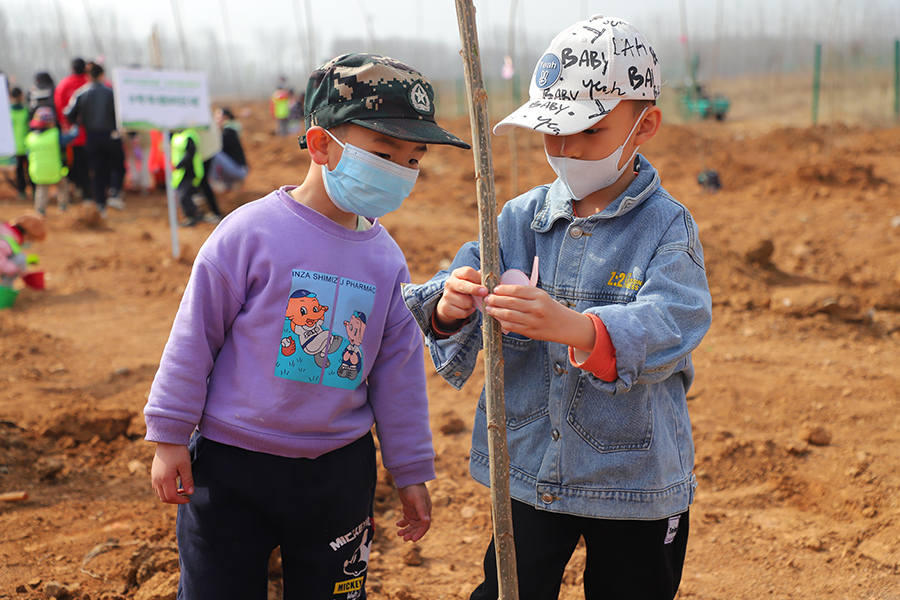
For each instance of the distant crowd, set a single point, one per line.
(69, 148)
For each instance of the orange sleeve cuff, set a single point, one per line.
(440, 333)
(602, 359)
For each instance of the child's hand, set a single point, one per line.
(456, 303)
(530, 311)
(416, 518)
(171, 462)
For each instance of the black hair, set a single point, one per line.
(226, 112)
(96, 70)
(16, 92)
(78, 66)
(638, 106)
(43, 80)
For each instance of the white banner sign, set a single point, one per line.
(165, 100)
(7, 141)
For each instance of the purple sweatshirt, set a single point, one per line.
(292, 339)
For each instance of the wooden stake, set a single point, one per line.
(490, 276)
(13, 496)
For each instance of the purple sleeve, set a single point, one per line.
(178, 393)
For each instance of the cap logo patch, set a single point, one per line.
(547, 72)
(419, 99)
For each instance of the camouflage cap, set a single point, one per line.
(378, 93)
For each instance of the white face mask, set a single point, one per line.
(583, 177)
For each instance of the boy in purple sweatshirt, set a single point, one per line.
(263, 440)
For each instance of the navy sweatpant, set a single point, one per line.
(246, 504)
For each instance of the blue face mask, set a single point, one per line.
(365, 184)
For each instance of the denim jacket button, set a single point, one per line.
(576, 232)
(546, 497)
(557, 368)
(554, 434)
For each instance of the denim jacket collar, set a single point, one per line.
(558, 202)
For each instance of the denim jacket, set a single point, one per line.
(577, 444)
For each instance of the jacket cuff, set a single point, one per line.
(440, 333)
(602, 359)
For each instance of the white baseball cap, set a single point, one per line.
(585, 72)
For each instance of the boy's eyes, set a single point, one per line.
(413, 161)
(591, 131)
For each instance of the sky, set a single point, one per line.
(267, 31)
(436, 19)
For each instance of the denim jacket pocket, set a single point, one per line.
(526, 380)
(612, 423)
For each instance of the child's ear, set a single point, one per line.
(317, 142)
(649, 125)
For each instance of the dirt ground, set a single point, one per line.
(794, 406)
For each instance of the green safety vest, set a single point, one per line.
(19, 116)
(281, 107)
(45, 165)
(179, 149)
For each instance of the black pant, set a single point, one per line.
(207, 190)
(246, 504)
(626, 560)
(79, 172)
(186, 190)
(21, 174)
(106, 158)
(185, 194)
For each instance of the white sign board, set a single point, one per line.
(7, 141)
(165, 100)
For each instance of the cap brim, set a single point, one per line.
(554, 117)
(410, 130)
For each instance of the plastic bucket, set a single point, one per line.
(34, 280)
(7, 297)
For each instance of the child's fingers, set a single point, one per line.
(416, 518)
(465, 280)
(187, 481)
(171, 474)
(525, 292)
(412, 531)
(514, 307)
(462, 287)
(170, 493)
(466, 274)
(509, 320)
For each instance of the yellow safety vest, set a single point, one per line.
(179, 149)
(45, 166)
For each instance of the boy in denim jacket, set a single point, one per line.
(598, 352)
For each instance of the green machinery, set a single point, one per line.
(696, 101)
